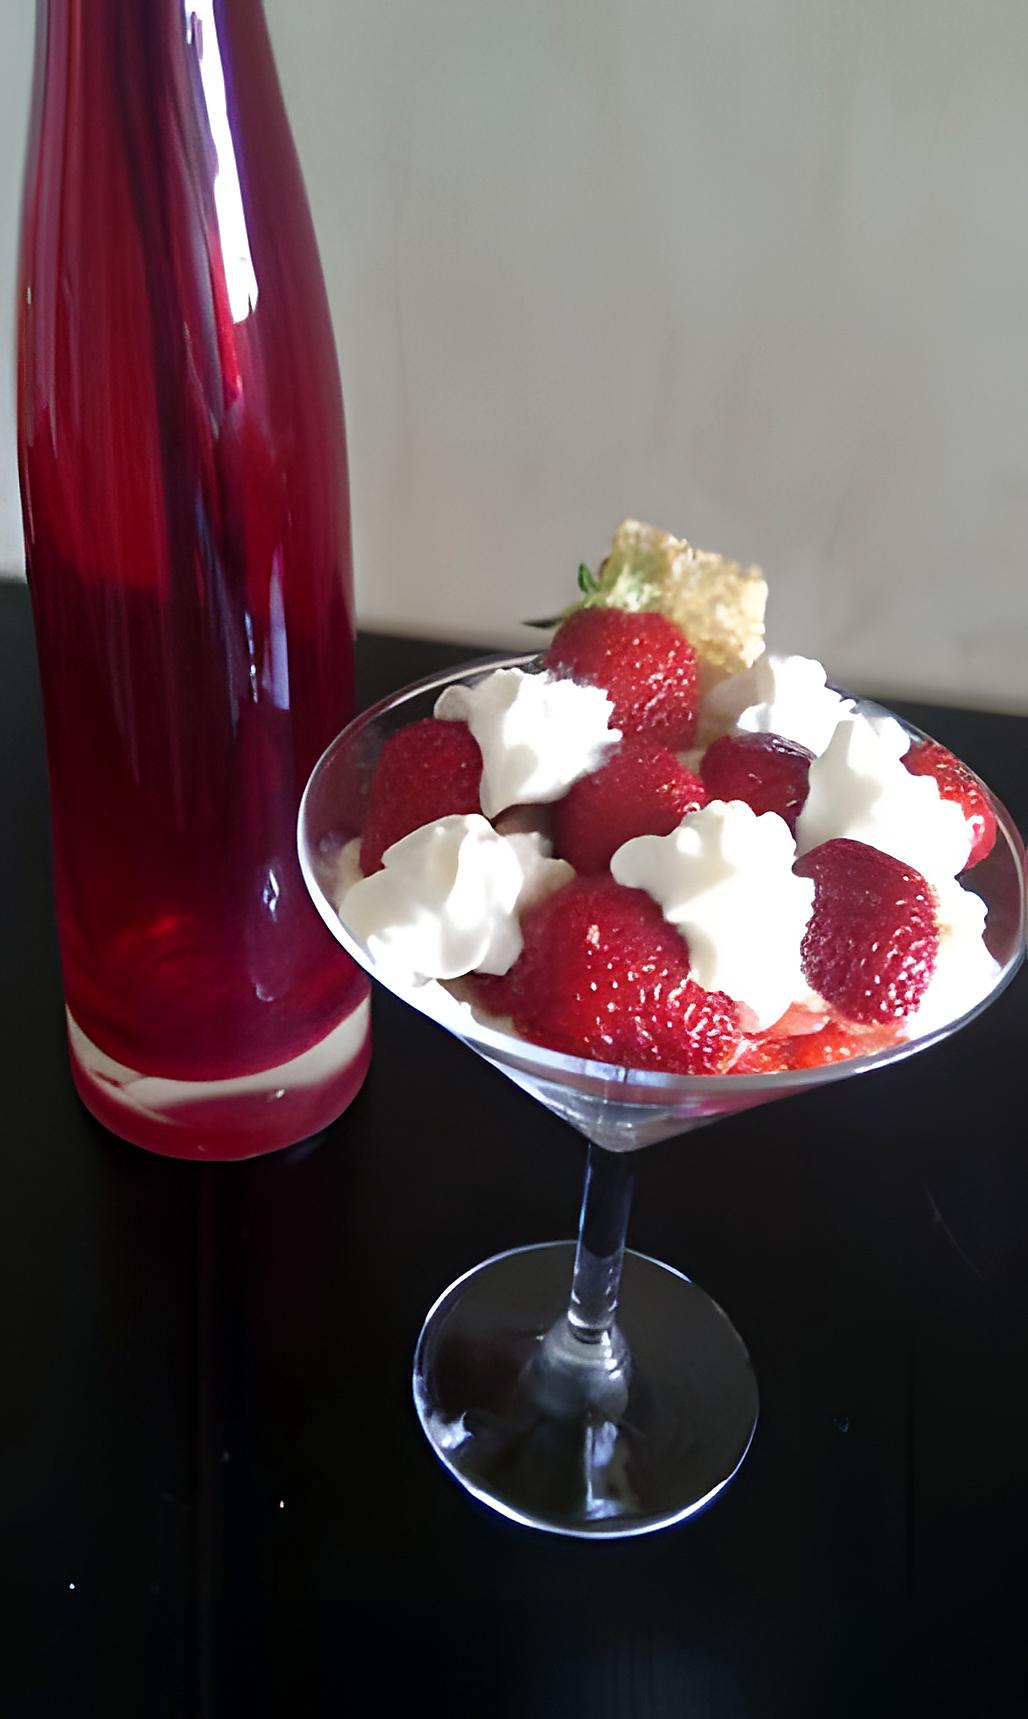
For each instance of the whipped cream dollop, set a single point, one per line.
(860, 789)
(964, 970)
(537, 733)
(724, 879)
(777, 695)
(448, 897)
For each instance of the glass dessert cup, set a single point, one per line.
(579, 1387)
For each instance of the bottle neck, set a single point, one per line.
(139, 62)
(133, 33)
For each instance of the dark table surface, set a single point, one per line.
(216, 1496)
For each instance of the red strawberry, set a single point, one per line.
(957, 782)
(602, 974)
(765, 770)
(834, 1043)
(641, 789)
(800, 1019)
(428, 770)
(644, 664)
(870, 945)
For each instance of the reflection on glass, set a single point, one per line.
(240, 280)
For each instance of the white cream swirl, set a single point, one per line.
(537, 733)
(724, 879)
(964, 970)
(860, 789)
(777, 695)
(447, 899)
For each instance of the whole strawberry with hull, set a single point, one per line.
(428, 770)
(872, 940)
(766, 771)
(643, 663)
(642, 789)
(603, 975)
(956, 782)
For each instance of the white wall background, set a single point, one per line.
(756, 270)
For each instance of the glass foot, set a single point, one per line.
(665, 1430)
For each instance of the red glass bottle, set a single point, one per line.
(187, 532)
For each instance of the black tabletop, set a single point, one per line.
(216, 1496)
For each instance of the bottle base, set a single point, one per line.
(219, 1120)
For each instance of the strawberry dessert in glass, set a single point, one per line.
(656, 875)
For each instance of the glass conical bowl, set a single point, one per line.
(578, 1387)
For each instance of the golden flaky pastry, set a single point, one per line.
(718, 604)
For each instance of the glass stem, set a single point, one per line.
(582, 1364)
(602, 1225)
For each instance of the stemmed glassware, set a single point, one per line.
(580, 1387)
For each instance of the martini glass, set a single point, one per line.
(580, 1387)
